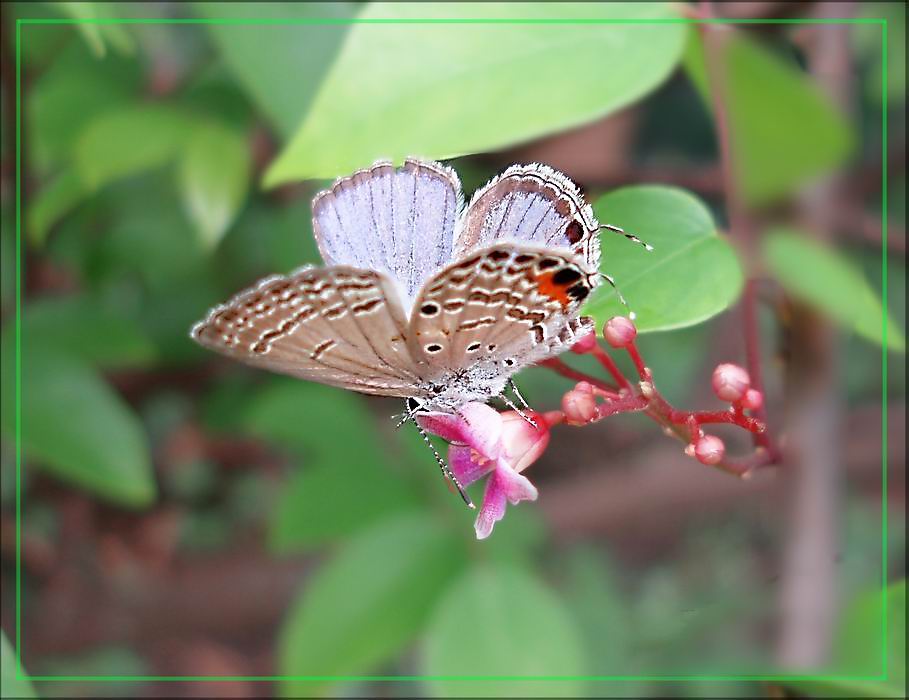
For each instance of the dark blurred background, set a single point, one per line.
(183, 515)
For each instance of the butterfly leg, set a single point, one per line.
(446, 470)
(514, 388)
(511, 404)
(629, 236)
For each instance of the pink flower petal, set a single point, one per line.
(467, 464)
(493, 508)
(475, 424)
(504, 486)
(517, 487)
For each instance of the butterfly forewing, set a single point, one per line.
(511, 304)
(530, 204)
(397, 221)
(340, 326)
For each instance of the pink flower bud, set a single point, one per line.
(579, 405)
(619, 331)
(730, 382)
(585, 344)
(709, 450)
(752, 400)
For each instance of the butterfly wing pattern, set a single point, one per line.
(340, 326)
(492, 313)
(420, 297)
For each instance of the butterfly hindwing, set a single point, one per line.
(339, 325)
(530, 204)
(506, 303)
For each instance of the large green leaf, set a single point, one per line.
(278, 65)
(823, 277)
(368, 603)
(127, 141)
(860, 646)
(444, 90)
(691, 274)
(13, 684)
(75, 427)
(499, 620)
(784, 130)
(346, 479)
(214, 178)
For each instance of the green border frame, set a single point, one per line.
(784, 677)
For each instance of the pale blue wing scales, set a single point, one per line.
(530, 204)
(397, 221)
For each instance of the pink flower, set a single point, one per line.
(499, 445)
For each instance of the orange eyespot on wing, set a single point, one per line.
(566, 285)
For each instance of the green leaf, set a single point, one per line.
(128, 141)
(87, 328)
(214, 178)
(691, 274)
(445, 90)
(270, 58)
(502, 621)
(346, 480)
(369, 602)
(13, 682)
(69, 93)
(824, 278)
(76, 427)
(52, 203)
(784, 130)
(859, 649)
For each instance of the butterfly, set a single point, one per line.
(421, 297)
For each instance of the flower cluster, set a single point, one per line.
(500, 446)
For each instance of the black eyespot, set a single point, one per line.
(436, 389)
(523, 258)
(508, 362)
(547, 263)
(574, 232)
(498, 255)
(429, 309)
(566, 275)
(473, 347)
(433, 347)
(578, 292)
(491, 347)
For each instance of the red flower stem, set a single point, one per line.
(626, 404)
(559, 367)
(611, 367)
(639, 365)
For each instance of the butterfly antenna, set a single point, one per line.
(446, 471)
(631, 314)
(629, 236)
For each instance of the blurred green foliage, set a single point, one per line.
(145, 151)
(783, 129)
